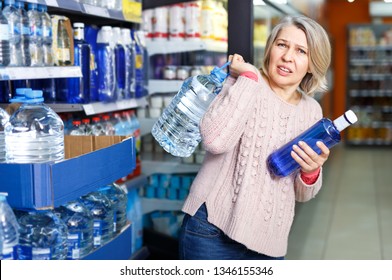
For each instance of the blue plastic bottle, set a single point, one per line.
(129, 91)
(140, 63)
(106, 66)
(79, 88)
(177, 130)
(91, 33)
(281, 163)
(9, 230)
(119, 54)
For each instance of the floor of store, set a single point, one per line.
(351, 217)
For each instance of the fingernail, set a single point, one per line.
(301, 143)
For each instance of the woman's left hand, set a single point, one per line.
(307, 158)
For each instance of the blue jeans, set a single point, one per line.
(201, 240)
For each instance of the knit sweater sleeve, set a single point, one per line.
(225, 120)
(303, 191)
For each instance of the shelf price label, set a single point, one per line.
(97, 11)
(52, 3)
(132, 11)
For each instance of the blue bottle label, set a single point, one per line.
(41, 254)
(97, 232)
(8, 253)
(74, 246)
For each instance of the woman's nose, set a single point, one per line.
(288, 55)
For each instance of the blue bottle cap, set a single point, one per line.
(219, 73)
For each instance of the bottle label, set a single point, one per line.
(4, 34)
(63, 54)
(41, 254)
(97, 233)
(25, 30)
(35, 31)
(47, 32)
(8, 253)
(74, 245)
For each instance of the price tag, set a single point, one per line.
(52, 3)
(132, 11)
(97, 11)
(88, 109)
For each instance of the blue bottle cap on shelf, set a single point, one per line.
(22, 91)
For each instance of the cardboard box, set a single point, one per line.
(48, 185)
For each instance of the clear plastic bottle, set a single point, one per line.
(9, 229)
(97, 127)
(101, 209)
(119, 199)
(177, 130)
(4, 40)
(129, 91)
(47, 34)
(76, 129)
(25, 33)
(79, 88)
(35, 133)
(11, 14)
(4, 118)
(80, 228)
(106, 66)
(63, 45)
(280, 162)
(119, 53)
(43, 236)
(36, 40)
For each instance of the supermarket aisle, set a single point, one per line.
(351, 218)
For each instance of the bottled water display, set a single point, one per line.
(177, 130)
(43, 236)
(11, 14)
(80, 228)
(101, 209)
(4, 40)
(280, 162)
(36, 39)
(47, 53)
(79, 88)
(106, 66)
(4, 118)
(119, 199)
(35, 133)
(9, 230)
(24, 33)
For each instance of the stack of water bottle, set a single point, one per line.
(113, 61)
(70, 231)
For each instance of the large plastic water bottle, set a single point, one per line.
(129, 91)
(47, 34)
(281, 163)
(119, 199)
(79, 88)
(177, 130)
(4, 40)
(79, 222)
(106, 66)
(4, 118)
(9, 230)
(25, 33)
(35, 133)
(43, 236)
(119, 54)
(101, 209)
(11, 14)
(36, 40)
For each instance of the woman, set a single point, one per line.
(236, 209)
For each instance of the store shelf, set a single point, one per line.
(29, 73)
(166, 47)
(101, 107)
(164, 86)
(166, 164)
(154, 204)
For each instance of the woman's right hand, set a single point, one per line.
(239, 66)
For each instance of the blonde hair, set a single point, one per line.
(319, 52)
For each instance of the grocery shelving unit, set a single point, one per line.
(369, 84)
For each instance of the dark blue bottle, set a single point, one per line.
(129, 63)
(119, 54)
(79, 88)
(281, 163)
(91, 33)
(139, 65)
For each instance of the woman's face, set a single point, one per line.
(289, 60)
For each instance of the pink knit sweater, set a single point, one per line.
(244, 124)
